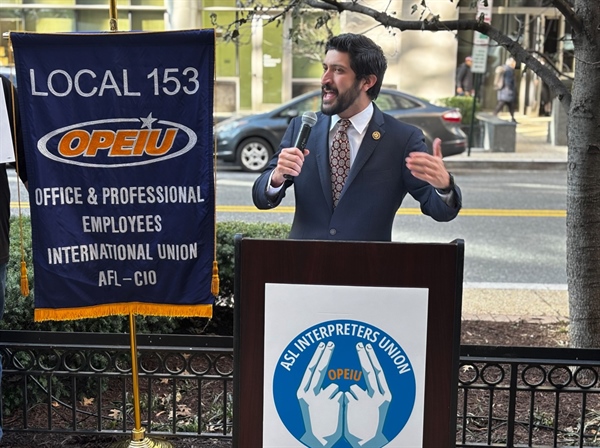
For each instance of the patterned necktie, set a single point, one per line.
(339, 159)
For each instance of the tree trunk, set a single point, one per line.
(583, 182)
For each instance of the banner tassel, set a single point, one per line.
(214, 286)
(24, 281)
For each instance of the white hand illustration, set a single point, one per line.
(321, 409)
(366, 409)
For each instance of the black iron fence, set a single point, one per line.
(528, 397)
(81, 383)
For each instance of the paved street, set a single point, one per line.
(513, 224)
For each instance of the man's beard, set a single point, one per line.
(343, 101)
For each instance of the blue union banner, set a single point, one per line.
(119, 143)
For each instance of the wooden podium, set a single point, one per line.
(438, 268)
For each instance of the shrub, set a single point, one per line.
(19, 310)
(18, 313)
(226, 232)
(462, 103)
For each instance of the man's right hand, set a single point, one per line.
(290, 162)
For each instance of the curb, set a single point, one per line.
(525, 164)
(510, 318)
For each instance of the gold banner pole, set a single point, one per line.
(112, 12)
(138, 431)
(138, 437)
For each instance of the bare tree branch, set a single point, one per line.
(566, 9)
(513, 47)
(325, 4)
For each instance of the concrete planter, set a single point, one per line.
(476, 139)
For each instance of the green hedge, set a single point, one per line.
(225, 248)
(18, 313)
(462, 103)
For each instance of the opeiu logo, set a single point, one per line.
(344, 383)
(117, 142)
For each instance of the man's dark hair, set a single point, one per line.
(366, 57)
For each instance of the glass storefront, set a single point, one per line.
(60, 16)
(264, 67)
(541, 30)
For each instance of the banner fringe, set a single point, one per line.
(149, 309)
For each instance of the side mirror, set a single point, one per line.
(290, 114)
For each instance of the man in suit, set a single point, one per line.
(387, 158)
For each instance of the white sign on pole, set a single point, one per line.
(481, 41)
(479, 55)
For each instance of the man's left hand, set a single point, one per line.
(429, 168)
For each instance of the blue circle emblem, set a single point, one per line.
(344, 383)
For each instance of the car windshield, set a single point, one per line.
(312, 103)
(386, 101)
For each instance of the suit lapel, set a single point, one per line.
(373, 135)
(321, 132)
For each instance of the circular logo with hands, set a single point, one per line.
(336, 384)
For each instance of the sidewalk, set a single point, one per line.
(509, 302)
(506, 302)
(533, 151)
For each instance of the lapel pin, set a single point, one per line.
(376, 135)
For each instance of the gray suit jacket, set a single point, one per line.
(378, 182)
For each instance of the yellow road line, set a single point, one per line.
(413, 211)
(520, 213)
(253, 209)
(514, 212)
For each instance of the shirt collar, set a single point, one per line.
(360, 121)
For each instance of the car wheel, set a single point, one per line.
(253, 154)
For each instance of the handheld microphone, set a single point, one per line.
(309, 119)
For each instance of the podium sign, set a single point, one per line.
(345, 344)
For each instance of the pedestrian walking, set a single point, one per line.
(504, 84)
(464, 78)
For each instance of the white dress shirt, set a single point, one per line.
(356, 132)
